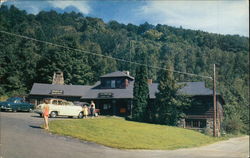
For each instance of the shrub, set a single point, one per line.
(233, 125)
(207, 131)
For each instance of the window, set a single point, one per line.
(106, 106)
(188, 123)
(65, 103)
(118, 84)
(60, 102)
(112, 83)
(196, 123)
(54, 102)
(107, 83)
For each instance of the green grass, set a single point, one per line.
(119, 133)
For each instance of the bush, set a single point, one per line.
(207, 131)
(129, 118)
(233, 125)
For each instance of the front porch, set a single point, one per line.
(118, 107)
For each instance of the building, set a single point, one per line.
(113, 95)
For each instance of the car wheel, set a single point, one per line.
(53, 114)
(14, 110)
(80, 115)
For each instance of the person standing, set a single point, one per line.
(85, 111)
(92, 108)
(46, 114)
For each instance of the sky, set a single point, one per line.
(223, 17)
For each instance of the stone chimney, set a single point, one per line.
(150, 81)
(126, 83)
(58, 78)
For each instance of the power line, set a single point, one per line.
(109, 57)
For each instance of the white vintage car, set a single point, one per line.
(60, 107)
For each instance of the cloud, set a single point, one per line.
(226, 17)
(82, 6)
(35, 6)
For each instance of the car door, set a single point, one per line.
(69, 109)
(64, 109)
(17, 106)
(24, 106)
(60, 107)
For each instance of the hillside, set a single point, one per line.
(23, 62)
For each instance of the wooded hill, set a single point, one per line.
(23, 62)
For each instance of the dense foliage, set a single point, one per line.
(169, 104)
(23, 62)
(140, 111)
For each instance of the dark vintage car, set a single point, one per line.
(16, 104)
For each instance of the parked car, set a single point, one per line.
(60, 107)
(16, 104)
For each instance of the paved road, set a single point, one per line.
(21, 137)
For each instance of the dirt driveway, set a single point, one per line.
(22, 137)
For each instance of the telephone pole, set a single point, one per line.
(131, 47)
(215, 105)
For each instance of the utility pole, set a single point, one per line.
(215, 105)
(131, 47)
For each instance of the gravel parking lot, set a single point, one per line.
(22, 137)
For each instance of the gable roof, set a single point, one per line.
(125, 93)
(68, 90)
(117, 74)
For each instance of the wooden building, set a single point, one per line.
(113, 95)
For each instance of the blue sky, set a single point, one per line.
(224, 17)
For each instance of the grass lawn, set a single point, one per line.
(119, 133)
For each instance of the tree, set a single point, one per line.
(141, 95)
(169, 103)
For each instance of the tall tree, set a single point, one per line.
(168, 103)
(141, 95)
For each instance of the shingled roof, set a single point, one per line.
(90, 92)
(68, 90)
(118, 74)
(194, 88)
